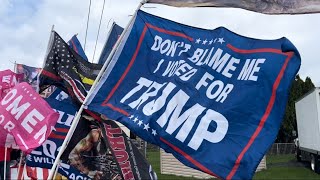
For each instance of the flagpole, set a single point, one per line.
(47, 52)
(78, 115)
(20, 162)
(56, 171)
(22, 173)
(15, 67)
(45, 57)
(5, 163)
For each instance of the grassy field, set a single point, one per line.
(286, 167)
(280, 167)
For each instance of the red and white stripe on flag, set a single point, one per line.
(29, 173)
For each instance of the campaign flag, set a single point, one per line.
(85, 156)
(67, 70)
(60, 95)
(75, 44)
(261, 6)
(26, 116)
(8, 79)
(44, 156)
(30, 74)
(212, 98)
(114, 35)
(132, 163)
(103, 151)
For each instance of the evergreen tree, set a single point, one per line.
(289, 124)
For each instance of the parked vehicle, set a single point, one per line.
(308, 123)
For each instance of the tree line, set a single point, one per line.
(289, 124)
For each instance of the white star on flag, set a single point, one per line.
(154, 132)
(146, 126)
(135, 120)
(139, 123)
(132, 116)
(204, 42)
(221, 40)
(198, 41)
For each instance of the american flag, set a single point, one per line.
(67, 70)
(29, 173)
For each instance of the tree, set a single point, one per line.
(289, 123)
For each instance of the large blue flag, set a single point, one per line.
(212, 98)
(114, 34)
(75, 44)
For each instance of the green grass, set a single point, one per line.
(272, 172)
(272, 159)
(294, 173)
(275, 171)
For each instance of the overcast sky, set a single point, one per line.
(25, 27)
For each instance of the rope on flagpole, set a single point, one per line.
(78, 115)
(85, 39)
(95, 46)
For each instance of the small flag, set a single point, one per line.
(75, 44)
(8, 79)
(67, 70)
(30, 74)
(114, 35)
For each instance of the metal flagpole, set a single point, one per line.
(45, 57)
(20, 162)
(78, 115)
(22, 173)
(47, 52)
(5, 164)
(56, 171)
(15, 67)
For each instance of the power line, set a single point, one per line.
(85, 39)
(94, 52)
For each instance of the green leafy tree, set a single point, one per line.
(289, 123)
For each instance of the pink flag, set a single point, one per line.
(8, 79)
(26, 116)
